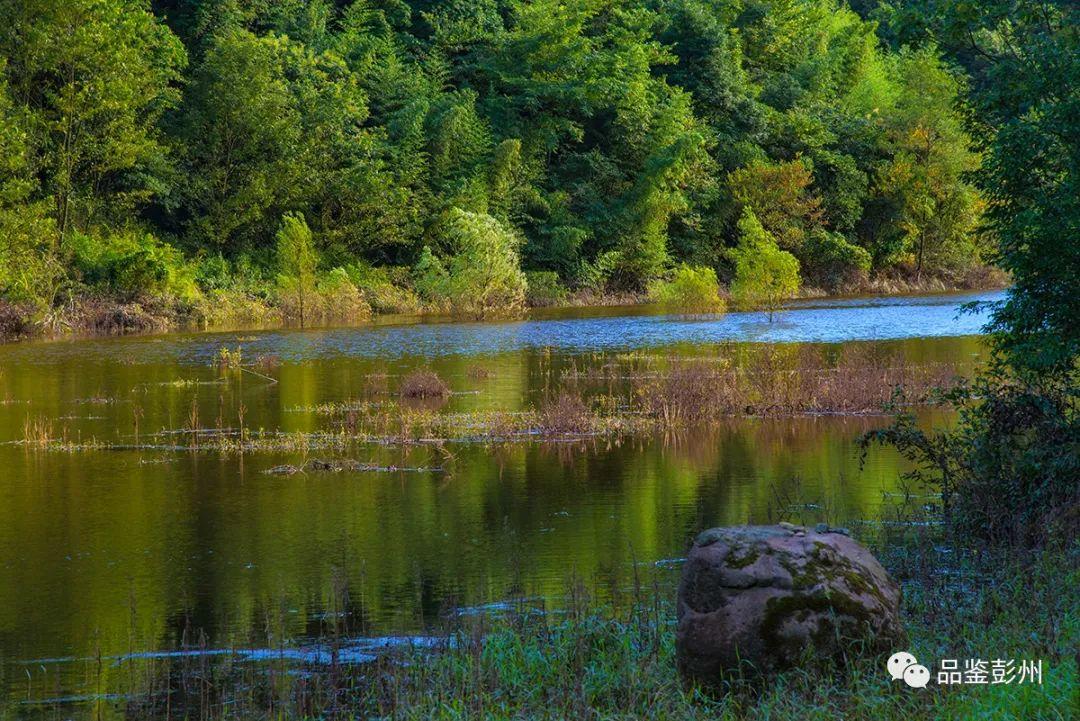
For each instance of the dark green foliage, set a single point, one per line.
(836, 261)
(1010, 471)
(618, 140)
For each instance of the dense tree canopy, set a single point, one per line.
(1010, 468)
(615, 139)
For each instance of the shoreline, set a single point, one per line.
(95, 317)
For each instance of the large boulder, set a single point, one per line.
(758, 599)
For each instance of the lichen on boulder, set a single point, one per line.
(758, 599)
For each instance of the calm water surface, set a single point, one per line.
(114, 551)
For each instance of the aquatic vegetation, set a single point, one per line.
(478, 373)
(40, 433)
(37, 431)
(189, 383)
(267, 362)
(228, 358)
(624, 395)
(566, 413)
(423, 383)
(337, 465)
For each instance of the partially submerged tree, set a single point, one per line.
(297, 259)
(765, 276)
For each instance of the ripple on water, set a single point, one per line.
(819, 320)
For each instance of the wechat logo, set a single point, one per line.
(902, 665)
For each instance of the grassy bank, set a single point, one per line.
(351, 298)
(604, 661)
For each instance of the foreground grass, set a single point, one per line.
(590, 661)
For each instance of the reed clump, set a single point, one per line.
(37, 432)
(782, 382)
(567, 413)
(423, 383)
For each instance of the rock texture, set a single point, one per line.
(757, 599)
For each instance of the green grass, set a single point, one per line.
(592, 661)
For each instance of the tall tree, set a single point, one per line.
(937, 210)
(95, 76)
(29, 270)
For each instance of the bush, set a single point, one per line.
(481, 276)
(132, 263)
(212, 272)
(385, 289)
(832, 262)
(1008, 471)
(765, 276)
(1019, 477)
(235, 307)
(544, 289)
(423, 383)
(338, 299)
(431, 280)
(14, 320)
(692, 289)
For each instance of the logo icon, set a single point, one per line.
(916, 676)
(898, 662)
(903, 665)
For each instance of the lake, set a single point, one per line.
(127, 545)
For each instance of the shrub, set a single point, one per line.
(1008, 471)
(14, 320)
(423, 383)
(765, 276)
(691, 289)
(544, 289)
(212, 272)
(132, 263)
(385, 289)
(481, 276)
(832, 261)
(31, 270)
(235, 307)
(339, 299)
(431, 280)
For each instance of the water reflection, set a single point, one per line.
(123, 551)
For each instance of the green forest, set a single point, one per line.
(222, 160)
